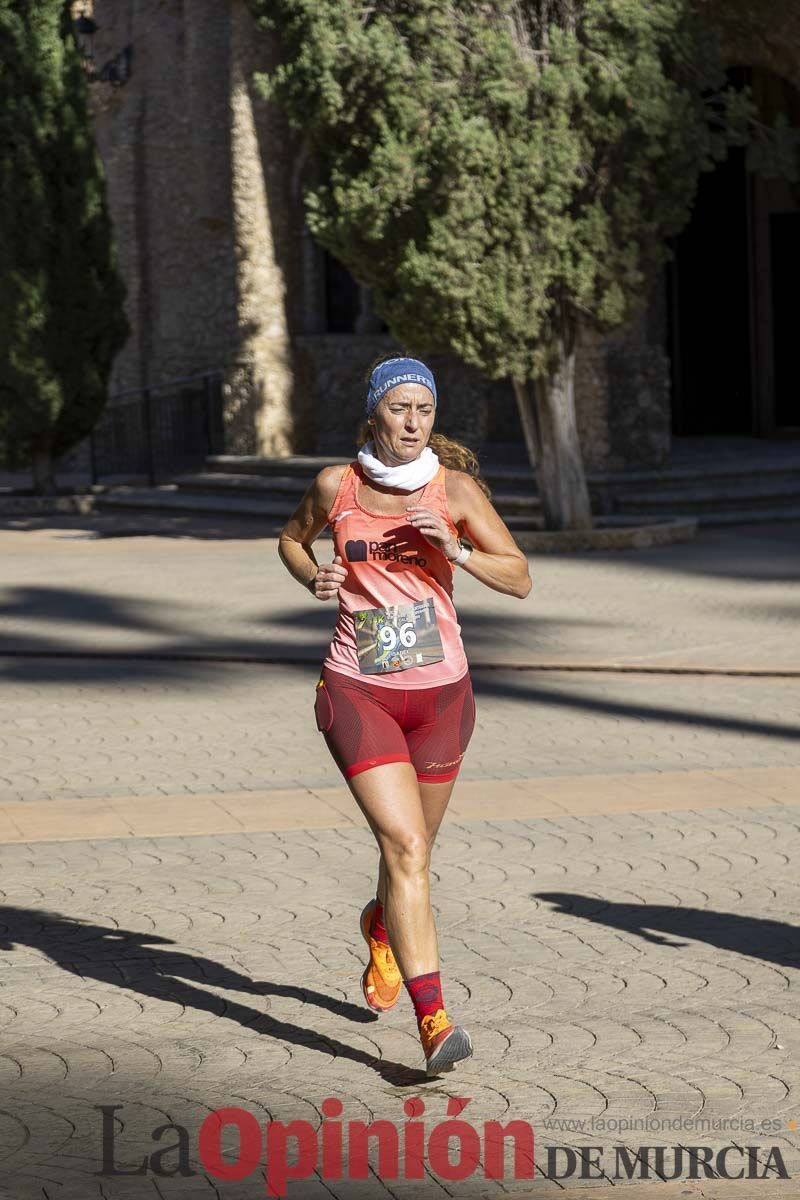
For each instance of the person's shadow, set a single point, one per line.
(140, 963)
(760, 937)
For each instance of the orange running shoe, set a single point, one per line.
(444, 1044)
(381, 982)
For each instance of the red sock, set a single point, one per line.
(426, 994)
(377, 928)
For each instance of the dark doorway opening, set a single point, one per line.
(710, 308)
(341, 297)
(348, 305)
(785, 270)
(731, 291)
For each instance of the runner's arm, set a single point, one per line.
(305, 525)
(496, 559)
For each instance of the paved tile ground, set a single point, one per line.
(105, 727)
(276, 810)
(184, 586)
(620, 964)
(623, 968)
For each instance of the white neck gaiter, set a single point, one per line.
(407, 478)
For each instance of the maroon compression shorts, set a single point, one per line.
(366, 724)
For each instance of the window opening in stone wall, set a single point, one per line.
(348, 304)
(341, 297)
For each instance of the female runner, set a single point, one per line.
(394, 700)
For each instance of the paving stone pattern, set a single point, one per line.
(619, 968)
(632, 966)
(729, 598)
(103, 728)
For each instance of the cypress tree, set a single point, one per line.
(61, 297)
(500, 171)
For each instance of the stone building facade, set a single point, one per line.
(222, 275)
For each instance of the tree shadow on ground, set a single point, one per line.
(140, 962)
(475, 624)
(84, 606)
(753, 552)
(190, 658)
(506, 686)
(187, 655)
(104, 610)
(759, 937)
(191, 527)
(760, 551)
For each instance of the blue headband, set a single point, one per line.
(394, 372)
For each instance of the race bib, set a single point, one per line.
(398, 637)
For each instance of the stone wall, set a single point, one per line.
(203, 183)
(260, 395)
(623, 392)
(756, 34)
(222, 275)
(198, 177)
(164, 138)
(622, 399)
(331, 375)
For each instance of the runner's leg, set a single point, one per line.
(389, 797)
(435, 798)
(437, 741)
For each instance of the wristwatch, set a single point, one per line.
(462, 556)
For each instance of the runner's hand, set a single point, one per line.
(328, 579)
(434, 529)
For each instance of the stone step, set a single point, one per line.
(172, 499)
(522, 513)
(295, 474)
(664, 484)
(304, 466)
(742, 497)
(520, 477)
(745, 495)
(733, 494)
(220, 482)
(274, 512)
(288, 489)
(750, 516)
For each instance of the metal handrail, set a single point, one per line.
(150, 444)
(168, 383)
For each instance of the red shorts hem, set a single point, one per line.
(446, 777)
(368, 763)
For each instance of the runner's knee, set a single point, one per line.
(407, 853)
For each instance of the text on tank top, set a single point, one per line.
(397, 623)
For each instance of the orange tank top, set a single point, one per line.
(389, 562)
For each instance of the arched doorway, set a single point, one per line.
(732, 293)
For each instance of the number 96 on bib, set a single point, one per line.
(397, 637)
